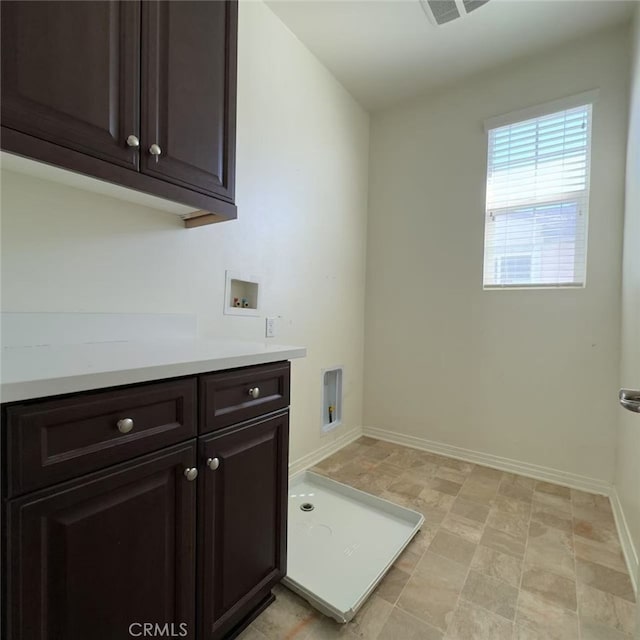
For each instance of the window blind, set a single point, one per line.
(537, 201)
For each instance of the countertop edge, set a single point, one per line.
(47, 387)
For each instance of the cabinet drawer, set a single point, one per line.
(56, 440)
(235, 396)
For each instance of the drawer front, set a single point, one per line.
(55, 440)
(234, 396)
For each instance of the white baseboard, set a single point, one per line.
(547, 474)
(324, 452)
(628, 548)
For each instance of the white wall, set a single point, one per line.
(627, 478)
(302, 199)
(526, 375)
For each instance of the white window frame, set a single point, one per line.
(521, 115)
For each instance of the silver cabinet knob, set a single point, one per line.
(190, 473)
(125, 425)
(155, 149)
(213, 463)
(254, 392)
(132, 141)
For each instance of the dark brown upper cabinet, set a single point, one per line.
(71, 75)
(140, 94)
(188, 110)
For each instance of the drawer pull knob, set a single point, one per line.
(133, 142)
(191, 473)
(254, 392)
(125, 425)
(213, 463)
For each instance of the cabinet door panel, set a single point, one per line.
(70, 74)
(189, 93)
(242, 529)
(91, 557)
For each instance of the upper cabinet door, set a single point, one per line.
(189, 94)
(71, 75)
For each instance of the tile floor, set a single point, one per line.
(500, 556)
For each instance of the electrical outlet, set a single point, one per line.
(270, 328)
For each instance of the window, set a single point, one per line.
(537, 198)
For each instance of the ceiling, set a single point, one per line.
(385, 51)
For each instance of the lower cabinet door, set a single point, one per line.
(101, 556)
(242, 519)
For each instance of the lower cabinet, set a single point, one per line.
(94, 557)
(178, 540)
(242, 523)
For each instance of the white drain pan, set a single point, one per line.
(340, 550)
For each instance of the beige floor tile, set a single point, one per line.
(470, 510)
(607, 554)
(590, 500)
(553, 489)
(559, 502)
(503, 542)
(479, 490)
(551, 587)
(475, 623)
(606, 609)
(420, 475)
(409, 558)
(444, 486)
(463, 504)
(511, 523)
(487, 473)
(516, 506)
(604, 535)
(453, 547)
(432, 592)
(406, 458)
(471, 530)
(492, 594)
(452, 475)
(518, 480)
(595, 631)
(334, 462)
(288, 617)
(392, 584)
(600, 577)
(367, 623)
(599, 517)
(376, 453)
(514, 486)
(551, 550)
(422, 539)
(251, 633)
(497, 565)
(458, 465)
(432, 499)
(516, 492)
(374, 482)
(537, 619)
(405, 488)
(353, 472)
(403, 626)
(355, 449)
(551, 516)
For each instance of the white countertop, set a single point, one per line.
(47, 370)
